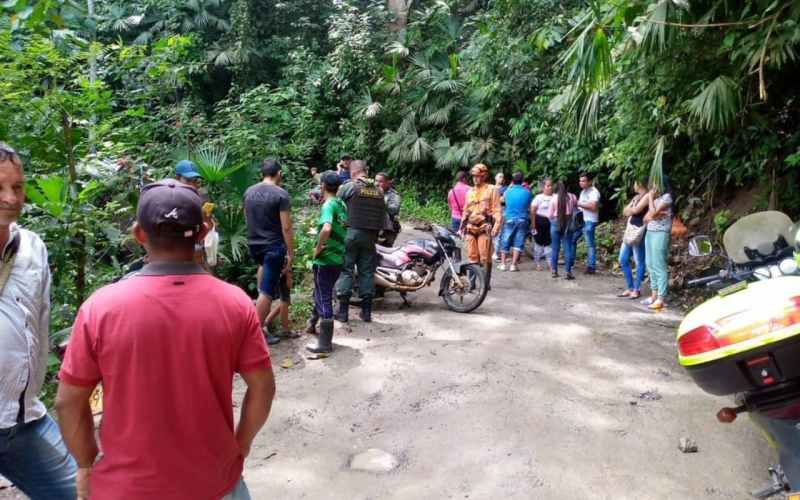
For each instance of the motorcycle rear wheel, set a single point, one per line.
(529, 247)
(470, 299)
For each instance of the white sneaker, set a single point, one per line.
(502, 267)
(513, 268)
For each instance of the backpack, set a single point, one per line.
(576, 222)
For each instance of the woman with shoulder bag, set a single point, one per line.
(633, 240)
(562, 206)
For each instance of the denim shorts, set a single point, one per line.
(272, 259)
(514, 233)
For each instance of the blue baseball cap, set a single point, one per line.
(187, 169)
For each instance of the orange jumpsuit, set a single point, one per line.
(481, 201)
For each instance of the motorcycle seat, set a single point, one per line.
(383, 249)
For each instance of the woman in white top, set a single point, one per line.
(540, 221)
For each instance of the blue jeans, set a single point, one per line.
(638, 253)
(238, 493)
(557, 236)
(33, 457)
(588, 231)
(514, 233)
(455, 224)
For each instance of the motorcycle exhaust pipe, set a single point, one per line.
(380, 280)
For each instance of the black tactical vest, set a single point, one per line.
(366, 209)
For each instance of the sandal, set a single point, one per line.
(647, 302)
(658, 305)
(538, 267)
(626, 293)
(634, 295)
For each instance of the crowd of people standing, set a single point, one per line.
(556, 219)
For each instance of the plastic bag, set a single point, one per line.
(211, 244)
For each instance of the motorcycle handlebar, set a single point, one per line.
(706, 280)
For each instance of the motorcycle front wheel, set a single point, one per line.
(470, 294)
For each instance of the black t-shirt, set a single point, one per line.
(263, 204)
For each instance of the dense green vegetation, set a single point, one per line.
(102, 101)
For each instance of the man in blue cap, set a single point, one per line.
(186, 172)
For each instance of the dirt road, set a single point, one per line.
(551, 390)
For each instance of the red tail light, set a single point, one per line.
(699, 340)
(739, 327)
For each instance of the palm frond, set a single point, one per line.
(657, 168)
(718, 104)
(192, 5)
(143, 38)
(212, 164)
(441, 116)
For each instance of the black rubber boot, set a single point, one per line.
(325, 342)
(311, 323)
(366, 310)
(343, 314)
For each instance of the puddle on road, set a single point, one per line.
(374, 460)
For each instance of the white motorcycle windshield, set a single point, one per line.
(758, 231)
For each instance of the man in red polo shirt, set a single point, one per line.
(166, 344)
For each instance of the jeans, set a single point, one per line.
(638, 253)
(272, 259)
(539, 251)
(557, 236)
(455, 224)
(657, 246)
(324, 280)
(33, 457)
(238, 493)
(588, 231)
(514, 233)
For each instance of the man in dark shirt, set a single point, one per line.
(269, 235)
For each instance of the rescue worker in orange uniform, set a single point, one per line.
(483, 217)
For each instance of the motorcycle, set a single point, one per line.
(412, 266)
(745, 341)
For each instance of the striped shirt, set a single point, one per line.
(24, 325)
(334, 211)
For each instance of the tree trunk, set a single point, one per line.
(400, 9)
(80, 248)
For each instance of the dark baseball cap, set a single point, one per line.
(170, 208)
(345, 155)
(187, 169)
(330, 178)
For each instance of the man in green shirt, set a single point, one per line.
(328, 260)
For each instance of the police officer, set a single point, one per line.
(366, 216)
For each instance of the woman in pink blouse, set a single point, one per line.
(456, 199)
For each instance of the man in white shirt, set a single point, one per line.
(589, 204)
(32, 453)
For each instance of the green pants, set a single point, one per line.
(359, 252)
(656, 244)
